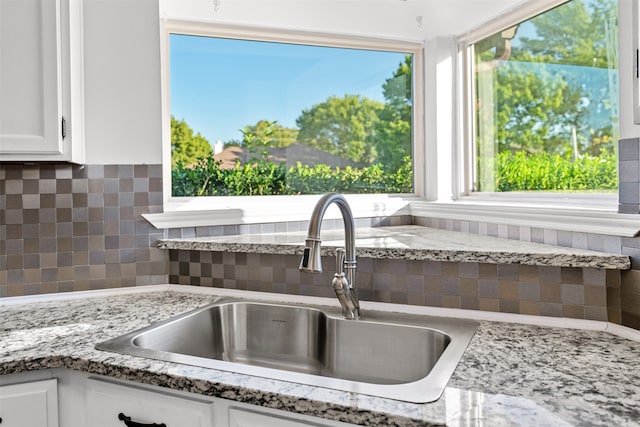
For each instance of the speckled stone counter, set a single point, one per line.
(511, 374)
(411, 243)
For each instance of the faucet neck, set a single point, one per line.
(347, 218)
(345, 289)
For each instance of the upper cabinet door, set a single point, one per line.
(36, 79)
(30, 77)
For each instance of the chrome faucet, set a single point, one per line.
(344, 280)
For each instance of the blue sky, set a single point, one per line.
(220, 85)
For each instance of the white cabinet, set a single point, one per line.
(113, 405)
(41, 80)
(32, 404)
(67, 398)
(251, 418)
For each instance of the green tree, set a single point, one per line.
(538, 111)
(572, 34)
(278, 136)
(187, 148)
(393, 135)
(548, 88)
(258, 143)
(342, 126)
(581, 35)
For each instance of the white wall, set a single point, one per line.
(122, 82)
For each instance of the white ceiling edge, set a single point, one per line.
(411, 20)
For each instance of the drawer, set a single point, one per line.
(116, 405)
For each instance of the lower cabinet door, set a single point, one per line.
(115, 405)
(243, 418)
(33, 404)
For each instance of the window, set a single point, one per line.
(545, 102)
(279, 114)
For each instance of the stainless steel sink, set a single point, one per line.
(404, 357)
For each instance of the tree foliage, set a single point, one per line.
(572, 34)
(271, 133)
(187, 147)
(552, 90)
(341, 126)
(393, 137)
(538, 110)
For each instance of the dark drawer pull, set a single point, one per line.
(127, 421)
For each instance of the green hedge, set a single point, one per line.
(261, 177)
(518, 171)
(521, 171)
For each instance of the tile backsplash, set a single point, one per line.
(549, 291)
(70, 227)
(623, 289)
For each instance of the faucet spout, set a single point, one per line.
(344, 282)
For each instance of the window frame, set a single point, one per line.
(441, 147)
(216, 210)
(579, 213)
(463, 185)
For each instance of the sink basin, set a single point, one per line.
(404, 357)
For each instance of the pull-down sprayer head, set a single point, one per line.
(311, 262)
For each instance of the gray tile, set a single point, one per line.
(467, 269)
(594, 276)
(125, 171)
(450, 286)
(47, 186)
(529, 291)
(524, 234)
(628, 193)
(579, 240)
(508, 272)
(626, 208)
(550, 237)
(572, 294)
(487, 288)
(629, 171)
(551, 309)
(629, 149)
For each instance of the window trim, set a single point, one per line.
(463, 185)
(514, 15)
(253, 209)
(565, 211)
(427, 201)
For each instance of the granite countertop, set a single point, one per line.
(511, 374)
(410, 242)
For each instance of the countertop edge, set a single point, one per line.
(528, 253)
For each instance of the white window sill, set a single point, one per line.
(557, 213)
(197, 211)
